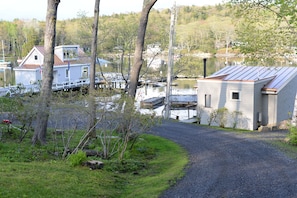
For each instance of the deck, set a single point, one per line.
(152, 103)
(64, 86)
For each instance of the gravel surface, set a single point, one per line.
(224, 164)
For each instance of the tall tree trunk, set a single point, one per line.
(92, 104)
(47, 73)
(135, 70)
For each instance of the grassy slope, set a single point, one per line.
(55, 178)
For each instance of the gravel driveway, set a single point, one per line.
(224, 164)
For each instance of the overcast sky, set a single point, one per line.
(36, 9)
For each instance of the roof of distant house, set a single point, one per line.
(277, 76)
(57, 61)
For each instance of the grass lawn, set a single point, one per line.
(22, 175)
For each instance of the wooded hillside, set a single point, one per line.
(200, 32)
(198, 29)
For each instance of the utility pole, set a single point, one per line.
(170, 62)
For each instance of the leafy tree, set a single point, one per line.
(266, 28)
(46, 87)
(84, 32)
(31, 39)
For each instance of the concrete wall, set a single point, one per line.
(221, 96)
(250, 102)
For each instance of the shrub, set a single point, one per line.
(236, 117)
(212, 117)
(293, 135)
(222, 115)
(77, 158)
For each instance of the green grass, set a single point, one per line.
(162, 171)
(27, 171)
(288, 149)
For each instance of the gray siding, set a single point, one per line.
(286, 100)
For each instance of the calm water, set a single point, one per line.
(184, 87)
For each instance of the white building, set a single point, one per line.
(70, 64)
(264, 96)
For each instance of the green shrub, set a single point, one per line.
(222, 114)
(77, 158)
(293, 135)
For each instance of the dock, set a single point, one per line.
(177, 102)
(152, 103)
(183, 101)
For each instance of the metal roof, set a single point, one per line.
(278, 76)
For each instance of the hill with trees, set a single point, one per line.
(200, 31)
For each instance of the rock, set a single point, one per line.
(263, 129)
(94, 164)
(284, 124)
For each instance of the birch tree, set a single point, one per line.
(139, 47)
(44, 101)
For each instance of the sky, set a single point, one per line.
(68, 9)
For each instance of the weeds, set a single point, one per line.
(78, 158)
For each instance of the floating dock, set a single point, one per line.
(152, 103)
(177, 102)
(183, 101)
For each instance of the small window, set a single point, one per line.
(207, 100)
(85, 73)
(35, 57)
(235, 95)
(67, 73)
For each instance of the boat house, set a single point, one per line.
(253, 96)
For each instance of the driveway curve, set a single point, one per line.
(224, 164)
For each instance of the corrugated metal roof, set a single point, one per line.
(279, 75)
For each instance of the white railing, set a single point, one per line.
(34, 88)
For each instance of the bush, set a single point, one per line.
(222, 115)
(77, 158)
(293, 135)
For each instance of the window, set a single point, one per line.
(67, 73)
(235, 95)
(70, 53)
(207, 100)
(35, 57)
(85, 73)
